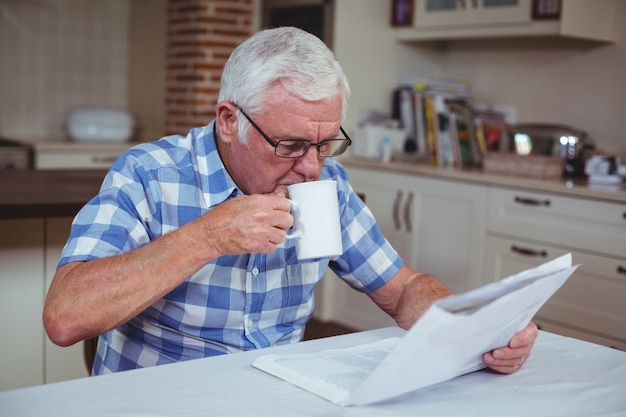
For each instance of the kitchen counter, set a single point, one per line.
(60, 193)
(577, 188)
(32, 193)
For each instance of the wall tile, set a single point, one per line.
(58, 54)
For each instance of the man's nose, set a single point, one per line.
(310, 164)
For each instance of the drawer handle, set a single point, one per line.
(103, 159)
(396, 211)
(624, 215)
(529, 252)
(532, 201)
(621, 270)
(407, 213)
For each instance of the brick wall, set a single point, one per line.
(201, 36)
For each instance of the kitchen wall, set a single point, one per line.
(548, 80)
(159, 59)
(57, 54)
(60, 54)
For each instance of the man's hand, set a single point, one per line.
(511, 358)
(247, 224)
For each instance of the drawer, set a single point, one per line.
(576, 334)
(576, 223)
(77, 156)
(76, 161)
(590, 301)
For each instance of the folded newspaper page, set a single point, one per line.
(447, 341)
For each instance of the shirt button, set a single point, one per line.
(255, 271)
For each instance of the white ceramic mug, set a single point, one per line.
(316, 228)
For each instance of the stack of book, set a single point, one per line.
(441, 124)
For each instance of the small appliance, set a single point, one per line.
(569, 143)
(15, 155)
(99, 124)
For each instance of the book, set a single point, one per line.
(426, 127)
(442, 85)
(491, 131)
(431, 129)
(420, 125)
(447, 341)
(462, 127)
(445, 155)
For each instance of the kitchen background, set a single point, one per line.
(58, 54)
(161, 60)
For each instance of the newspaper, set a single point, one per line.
(447, 341)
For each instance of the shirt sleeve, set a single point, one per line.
(115, 221)
(368, 260)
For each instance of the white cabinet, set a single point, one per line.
(435, 225)
(433, 13)
(29, 250)
(73, 155)
(391, 198)
(449, 221)
(465, 19)
(21, 298)
(528, 228)
(590, 225)
(61, 363)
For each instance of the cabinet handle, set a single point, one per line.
(529, 252)
(532, 201)
(624, 215)
(407, 213)
(396, 211)
(621, 270)
(103, 159)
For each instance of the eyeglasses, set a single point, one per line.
(295, 148)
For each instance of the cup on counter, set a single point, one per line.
(316, 228)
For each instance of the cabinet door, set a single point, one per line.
(590, 305)
(21, 296)
(61, 363)
(389, 198)
(436, 226)
(449, 231)
(432, 13)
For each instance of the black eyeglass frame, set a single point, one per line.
(308, 142)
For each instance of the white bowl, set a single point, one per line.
(100, 124)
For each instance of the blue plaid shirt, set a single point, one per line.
(235, 302)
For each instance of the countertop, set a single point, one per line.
(74, 146)
(32, 193)
(61, 193)
(575, 188)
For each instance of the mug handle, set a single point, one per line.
(295, 211)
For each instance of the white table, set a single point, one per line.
(563, 377)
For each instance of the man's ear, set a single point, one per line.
(226, 120)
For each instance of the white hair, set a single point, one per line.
(300, 61)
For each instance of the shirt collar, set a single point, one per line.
(219, 185)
